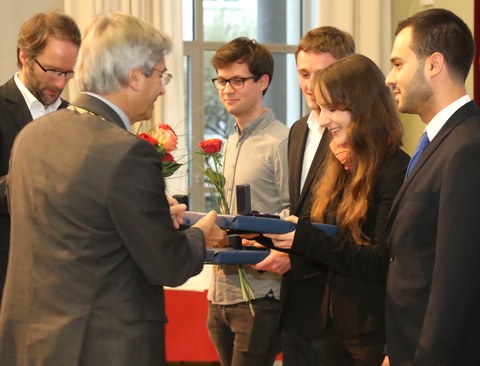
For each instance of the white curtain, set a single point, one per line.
(368, 21)
(165, 15)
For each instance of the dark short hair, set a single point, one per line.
(245, 50)
(327, 39)
(34, 33)
(440, 30)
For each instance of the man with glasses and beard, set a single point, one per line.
(47, 49)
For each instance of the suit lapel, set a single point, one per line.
(459, 116)
(64, 104)
(17, 106)
(100, 108)
(296, 149)
(320, 154)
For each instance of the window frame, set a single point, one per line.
(193, 51)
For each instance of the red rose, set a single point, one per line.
(168, 158)
(150, 139)
(166, 127)
(211, 146)
(166, 137)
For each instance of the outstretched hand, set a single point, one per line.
(283, 241)
(276, 261)
(214, 236)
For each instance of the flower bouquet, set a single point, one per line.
(165, 140)
(210, 149)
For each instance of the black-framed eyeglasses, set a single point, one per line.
(235, 83)
(54, 73)
(164, 76)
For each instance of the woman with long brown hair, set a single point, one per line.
(360, 180)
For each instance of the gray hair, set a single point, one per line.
(114, 45)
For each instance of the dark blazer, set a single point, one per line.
(433, 289)
(302, 287)
(14, 115)
(357, 274)
(92, 244)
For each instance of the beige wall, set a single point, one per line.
(402, 9)
(12, 15)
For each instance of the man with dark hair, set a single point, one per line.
(303, 284)
(47, 50)
(255, 154)
(433, 285)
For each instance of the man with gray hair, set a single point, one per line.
(85, 279)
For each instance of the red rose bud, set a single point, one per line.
(211, 146)
(168, 158)
(150, 139)
(166, 127)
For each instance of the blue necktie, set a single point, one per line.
(422, 144)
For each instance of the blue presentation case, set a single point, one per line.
(239, 224)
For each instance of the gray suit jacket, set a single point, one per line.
(92, 244)
(14, 115)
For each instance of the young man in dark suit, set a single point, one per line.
(47, 49)
(302, 285)
(93, 234)
(433, 287)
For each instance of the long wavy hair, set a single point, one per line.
(357, 85)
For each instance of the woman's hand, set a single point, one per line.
(248, 240)
(284, 241)
(277, 262)
(292, 218)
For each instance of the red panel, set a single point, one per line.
(476, 62)
(186, 332)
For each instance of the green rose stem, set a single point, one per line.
(247, 292)
(217, 181)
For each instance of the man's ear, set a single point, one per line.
(23, 59)
(264, 81)
(134, 79)
(435, 63)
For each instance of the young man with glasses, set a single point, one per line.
(255, 154)
(47, 49)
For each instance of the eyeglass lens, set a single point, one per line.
(235, 83)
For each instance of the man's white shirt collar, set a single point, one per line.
(315, 132)
(120, 112)
(36, 108)
(437, 122)
(314, 124)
